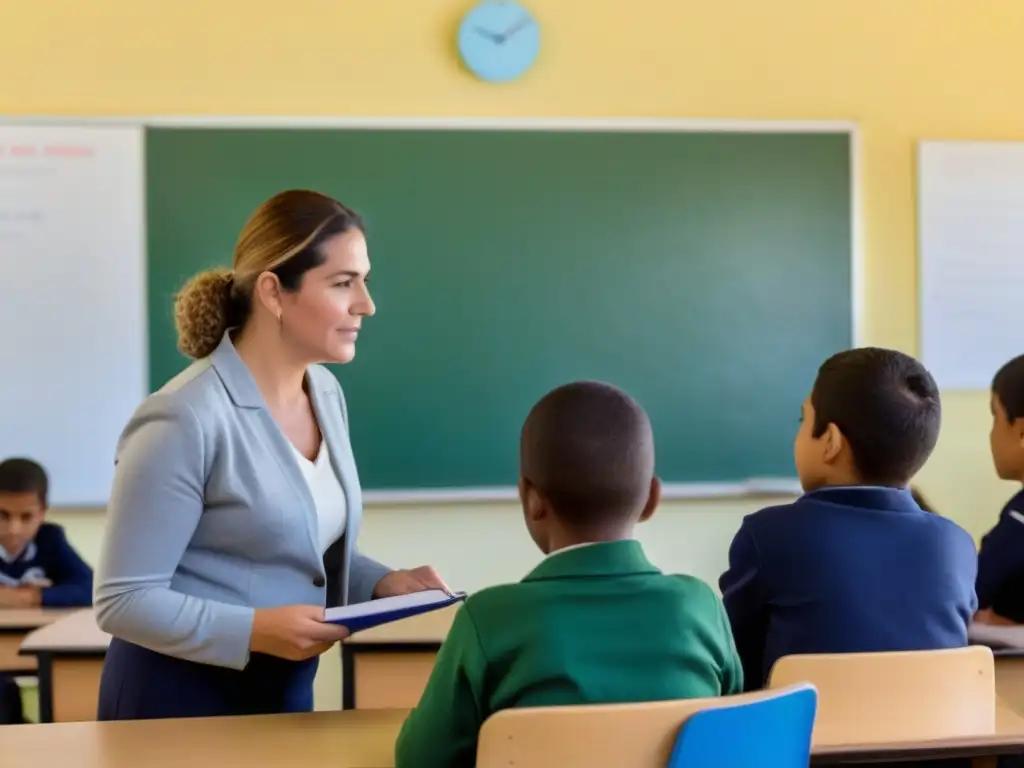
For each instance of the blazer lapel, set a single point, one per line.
(327, 407)
(245, 394)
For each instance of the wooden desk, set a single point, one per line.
(1008, 739)
(69, 653)
(1007, 643)
(15, 624)
(336, 739)
(348, 739)
(387, 667)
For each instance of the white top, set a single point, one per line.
(573, 546)
(328, 495)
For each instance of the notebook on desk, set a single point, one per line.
(362, 616)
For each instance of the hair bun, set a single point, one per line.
(202, 310)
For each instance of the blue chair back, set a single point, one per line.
(773, 732)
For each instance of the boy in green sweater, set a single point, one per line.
(595, 622)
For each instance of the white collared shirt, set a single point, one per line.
(576, 546)
(328, 495)
(29, 553)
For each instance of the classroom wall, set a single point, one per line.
(903, 70)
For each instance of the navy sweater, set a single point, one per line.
(50, 556)
(1001, 563)
(847, 570)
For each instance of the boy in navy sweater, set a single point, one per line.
(854, 565)
(37, 564)
(1001, 557)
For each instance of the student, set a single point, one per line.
(595, 622)
(37, 564)
(854, 565)
(1001, 556)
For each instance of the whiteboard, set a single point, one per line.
(72, 300)
(971, 250)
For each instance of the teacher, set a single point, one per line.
(236, 505)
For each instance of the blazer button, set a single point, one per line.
(319, 581)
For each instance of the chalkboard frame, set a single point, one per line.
(751, 487)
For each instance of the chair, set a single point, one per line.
(773, 732)
(896, 696)
(642, 735)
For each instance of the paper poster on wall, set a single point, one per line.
(971, 235)
(72, 300)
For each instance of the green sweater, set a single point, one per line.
(593, 624)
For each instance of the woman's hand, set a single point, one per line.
(404, 582)
(293, 632)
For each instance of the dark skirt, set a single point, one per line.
(139, 684)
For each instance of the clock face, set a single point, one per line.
(499, 40)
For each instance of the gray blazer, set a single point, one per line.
(210, 516)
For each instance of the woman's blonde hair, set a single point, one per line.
(282, 236)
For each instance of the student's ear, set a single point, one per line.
(534, 505)
(653, 499)
(1018, 431)
(833, 442)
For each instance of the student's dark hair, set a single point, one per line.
(588, 448)
(1008, 386)
(284, 236)
(20, 475)
(887, 406)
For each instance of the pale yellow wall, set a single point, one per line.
(903, 69)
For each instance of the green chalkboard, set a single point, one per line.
(708, 274)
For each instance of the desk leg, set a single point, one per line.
(348, 678)
(44, 662)
(385, 676)
(69, 688)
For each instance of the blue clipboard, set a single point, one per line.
(385, 610)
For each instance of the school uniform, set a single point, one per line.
(846, 570)
(1001, 563)
(591, 624)
(49, 558)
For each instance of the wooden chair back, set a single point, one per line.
(897, 696)
(607, 735)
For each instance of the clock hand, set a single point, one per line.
(521, 24)
(493, 37)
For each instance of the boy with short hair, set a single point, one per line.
(595, 622)
(854, 565)
(1001, 556)
(37, 564)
